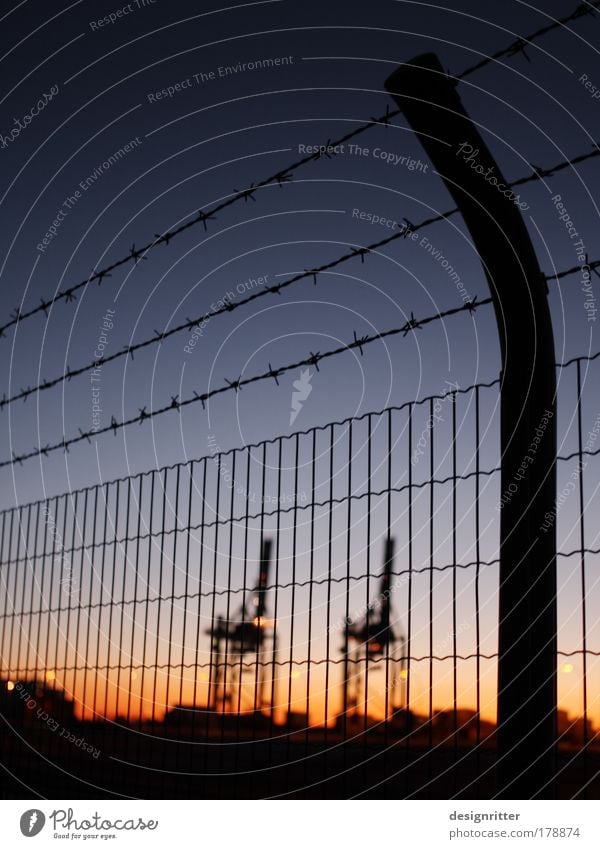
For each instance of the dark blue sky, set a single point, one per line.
(213, 135)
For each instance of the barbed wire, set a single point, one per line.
(592, 266)
(229, 306)
(202, 217)
(519, 45)
(411, 325)
(541, 173)
(359, 342)
(312, 273)
(284, 175)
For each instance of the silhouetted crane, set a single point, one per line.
(242, 634)
(372, 638)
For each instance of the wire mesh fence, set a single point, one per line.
(282, 596)
(314, 613)
(578, 588)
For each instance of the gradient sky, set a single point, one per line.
(193, 149)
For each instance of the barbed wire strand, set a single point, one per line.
(592, 266)
(541, 173)
(312, 273)
(411, 325)
(278, 178)
(519, 45)
(202, 217)
(227, 307)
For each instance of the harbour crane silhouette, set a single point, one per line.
(242, 634)
(371, 638)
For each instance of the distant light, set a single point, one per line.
(133, 676)
(204, 676)
(50, 676)
(404, 673)
(10, 685)
(295, 673)
(567, 667)
(256, 600)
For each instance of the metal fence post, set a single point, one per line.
(526, 732)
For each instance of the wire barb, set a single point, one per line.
(358, 342)
(325, 150)
(204, 217)
(282, 178)
(384, 119)
(200, 397)
(165, 238)
(314, 360)
(518, 47)
(246, 194)
(411, 324)
(100, 275)
(84, 435)
(136, 255)
(273, 373)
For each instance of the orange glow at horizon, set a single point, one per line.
(125, 700)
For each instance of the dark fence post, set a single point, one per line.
(527, 616)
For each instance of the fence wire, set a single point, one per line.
(284, 604)
(314, 611)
